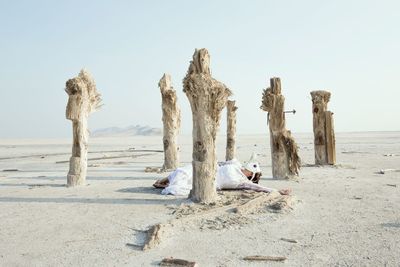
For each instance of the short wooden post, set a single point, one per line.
(324, 136)
(231, 130)
(284, 150)
(171, 120)
(83, 100)
(207, 98)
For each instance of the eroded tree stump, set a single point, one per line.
(207, 98)
(324, 135)
(284, 150)
(83, 100)
(171, 119)
(231, 130)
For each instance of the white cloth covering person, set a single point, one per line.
(230, 175)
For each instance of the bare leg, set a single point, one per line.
(259, 188)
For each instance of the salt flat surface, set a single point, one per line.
(346, 215)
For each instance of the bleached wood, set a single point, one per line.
(83, 100)
(177, 263)
(171, 120)
(255, 203)
(330, 138)
(154, 235)
(264, 258)
(231, 130)
(321, 116)
(284, 150)
(207, 98)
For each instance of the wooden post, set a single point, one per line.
(171, 119)
(324, 136)
(207, 98)
(284, 150)
(330, 138)
(231, 130)
(83, 100)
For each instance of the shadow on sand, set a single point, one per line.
(89, 178)
(391, 225)
(117, 201)
(141, 190)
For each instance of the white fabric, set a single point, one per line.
(180, 181)
(229, 176)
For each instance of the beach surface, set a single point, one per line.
(342, 215)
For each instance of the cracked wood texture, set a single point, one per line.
(207, 98)
(231, 130)
(83, 100)
(284, 150)
(171, 120)
(324, 136)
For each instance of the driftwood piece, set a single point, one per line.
(171, 118)
(324, 135)
(231, 130)
(177, 263)
(284, 151)
(83, 100)
(154, 235)
(264, 258)
(207, 98)
(255, 203)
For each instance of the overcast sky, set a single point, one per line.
(350, 48)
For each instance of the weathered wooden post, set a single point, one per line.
(172, 120)
(83, 100)
(284, 150)
(324, 135)
(207, 98)
(231, 130)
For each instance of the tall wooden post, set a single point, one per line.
(171, 119)
(83, 100)
(284, 150)
(207, 98)
(231, 130)
(324, 135)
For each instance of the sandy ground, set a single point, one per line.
(346, 215)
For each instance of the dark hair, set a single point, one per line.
(256, 178)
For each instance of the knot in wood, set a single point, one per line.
(166, 144)
(319, 139)
(230, 142)
(199, 151)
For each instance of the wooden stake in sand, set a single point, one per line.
(172, 121)
(264, 258)
(324, 135)
(284, 150)
(177, 263)
(207, 98)
(231, 130)
(83, 100)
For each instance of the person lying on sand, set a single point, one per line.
(230, 175)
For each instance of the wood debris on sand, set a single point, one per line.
(186, 214)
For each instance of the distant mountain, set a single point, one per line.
(128, 131)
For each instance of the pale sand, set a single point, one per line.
(348, 215)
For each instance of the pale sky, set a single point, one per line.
(350, 48)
